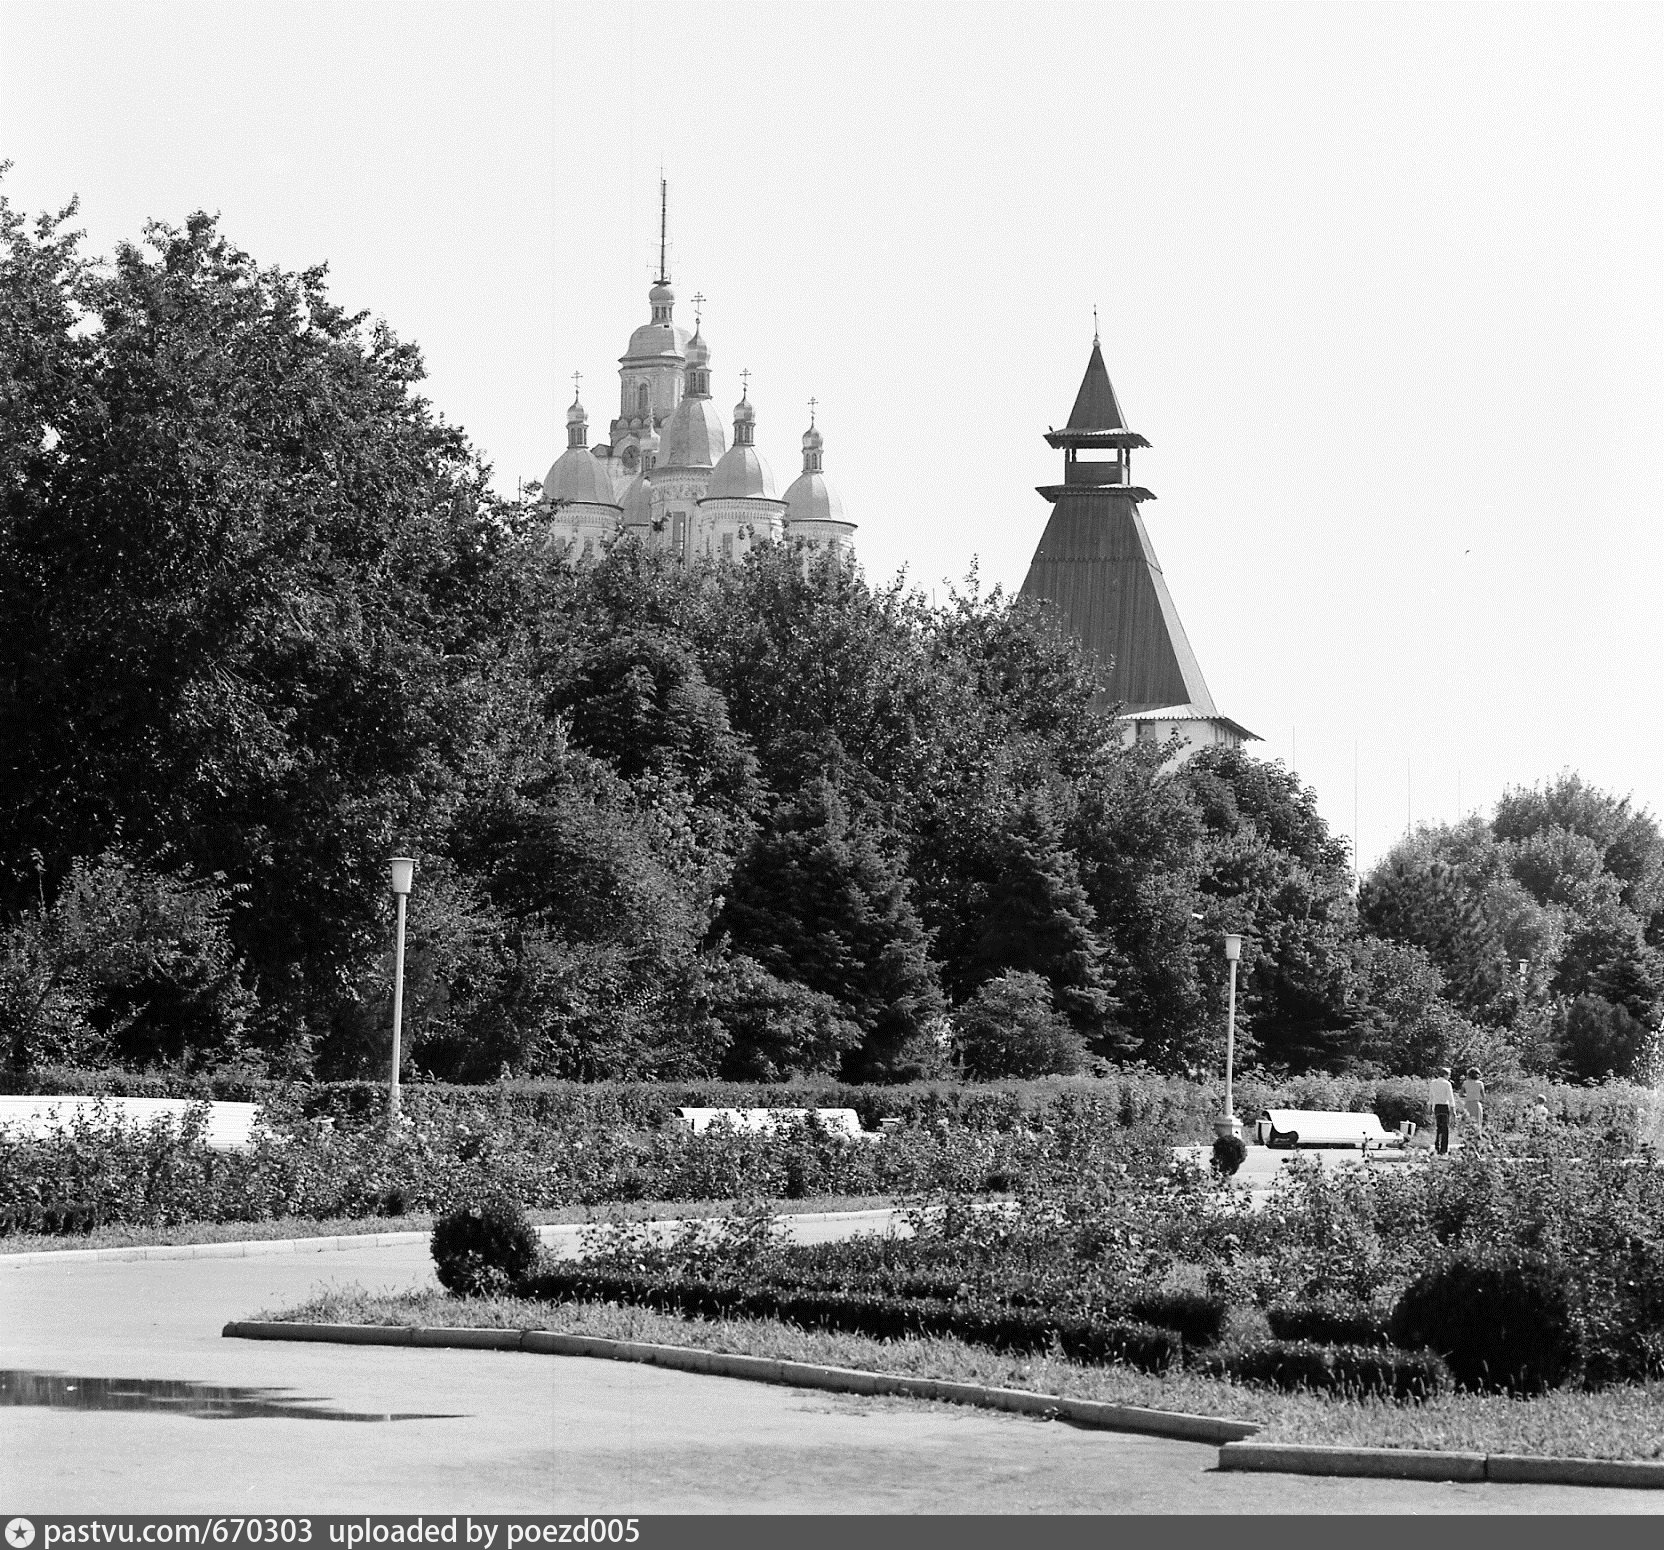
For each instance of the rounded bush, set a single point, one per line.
(484, 1248)
(1502, 1320)
(1229, 1154)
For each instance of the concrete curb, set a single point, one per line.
(1425, 1464)
(251, 1248)
(763, 1369)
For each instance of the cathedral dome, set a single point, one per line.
(742, 472)
(698, 352)
(694, 437)
(661, 295)
(811, 499)
(654, 340)
(579, 476)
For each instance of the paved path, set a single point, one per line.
(512, 1433)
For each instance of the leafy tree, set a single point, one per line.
(255, 590)
(1010, 1028)
(127, 965)
(1402, 1022)
(1429, 904)
(1276, 875)
(777, 1030)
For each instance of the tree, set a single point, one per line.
(1030, 914)
(127, 965)
(255, 589)
(1600, 1040)
(1010, 1028)
(1275, 874)
(819, 902)
(1401, 1020)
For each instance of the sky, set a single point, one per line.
(1381, 285)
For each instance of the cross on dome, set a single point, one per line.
(745, 382)
(698, 302)
(577, 377)
(812, 403)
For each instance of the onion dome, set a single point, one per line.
(577, 425)
(741, 471)
(579, 477)
(810, 498)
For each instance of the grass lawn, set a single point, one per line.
(1618, 1423)
(126, 1237)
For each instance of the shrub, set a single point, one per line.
(1328, 1323)
(1229, 1154)
(1348, 1369)
(1199, 1319)
(1010, 1028)
(484, 1248)
(1501, 1318)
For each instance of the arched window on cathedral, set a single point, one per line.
(630, 459)
(644, 401)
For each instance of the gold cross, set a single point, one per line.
(698, 302)
(577, 377)
(745, 380)
(812, 403)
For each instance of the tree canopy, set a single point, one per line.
(263, 624)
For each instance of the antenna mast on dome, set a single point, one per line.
(664, 279)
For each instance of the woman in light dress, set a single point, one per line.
(1473, 1097)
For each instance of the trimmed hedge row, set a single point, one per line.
(1020, 1330)
(1327, 1323)
(1349, 1369)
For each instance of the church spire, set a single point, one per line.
(664, 228)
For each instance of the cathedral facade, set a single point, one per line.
(667, 474)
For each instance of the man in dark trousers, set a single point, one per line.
(1443, 1098)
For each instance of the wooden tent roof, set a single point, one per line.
(1095, 563)
(1096, 407)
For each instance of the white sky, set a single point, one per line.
(1380, 284)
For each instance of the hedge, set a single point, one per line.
(1351, 1369)
(882, 1317)
(1121, 1099)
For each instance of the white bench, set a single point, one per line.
(230, 1125)
(1323, 1127)
(767, 1122)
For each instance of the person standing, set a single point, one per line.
(1473, 1098)
(1443, 1098)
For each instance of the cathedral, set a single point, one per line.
(667, 473)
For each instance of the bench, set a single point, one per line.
(767, 1122)
(1323, 1127)
(36, 1116)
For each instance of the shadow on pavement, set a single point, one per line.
(204, 1401)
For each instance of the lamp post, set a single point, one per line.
(1228, 1124)
(402, 869)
